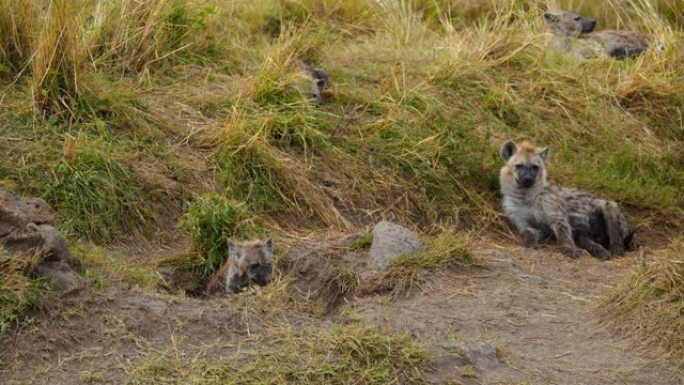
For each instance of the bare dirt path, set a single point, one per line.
(536, 307)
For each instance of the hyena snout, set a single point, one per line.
(260, 274)
(526, 175)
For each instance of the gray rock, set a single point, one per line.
(63, 279)
(452, 355)
(391, 241)
(480, 354)
(533, 279)
(450, 359)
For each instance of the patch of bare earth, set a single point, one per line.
(536, 307)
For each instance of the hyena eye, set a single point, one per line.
(535, 167)
(254, 266)
(518, 166)
(578, 18)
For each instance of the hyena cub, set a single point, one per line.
(319, 79)
(573, 217)
(575, 33)
(247, 263)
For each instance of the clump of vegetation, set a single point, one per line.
(211, 221)
(16, 28)
(18, 292)
(650, 302)
(132, 36)
(342, 355)
(99, 195)
(447, 248)
(363, 243)
(57, 65)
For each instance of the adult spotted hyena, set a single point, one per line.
(539, 210)
(247, 263)
(575, 33)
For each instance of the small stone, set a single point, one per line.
(533, 279)
(452, 355)
(481, 354)
(391, 241)
(63, 279)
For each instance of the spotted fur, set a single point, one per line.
(573, 217)
(575, 33)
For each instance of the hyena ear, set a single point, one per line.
(508, 149)
(234, 251)
(544, 154)
(268, 246)
(551, 17)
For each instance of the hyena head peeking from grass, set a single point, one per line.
(248, 263)
(525, 166)
(319, 79)
(568, 23)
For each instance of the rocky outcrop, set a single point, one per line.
(26, 229)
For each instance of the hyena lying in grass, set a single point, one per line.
(575, 33)
(247, 263)
(319, 79)
(573, 217)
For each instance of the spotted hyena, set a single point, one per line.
(319, 79)
(247, 263)
(575, 33)
(574, 218)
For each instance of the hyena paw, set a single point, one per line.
(617, 251)
(530, 239)
(571, 252)
(603, 254)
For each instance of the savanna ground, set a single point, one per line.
(159, 129)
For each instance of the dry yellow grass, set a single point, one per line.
(650, 303)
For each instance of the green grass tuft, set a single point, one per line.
(211, 221)
(18, 292)
(443, 250)
(363, 243)
(98, 195)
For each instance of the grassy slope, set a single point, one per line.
(144, 108)
(651, 301)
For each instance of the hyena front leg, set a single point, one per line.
(616, 227)
(563, 232)
(560, 226)
(592, 247)
(530, 237)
